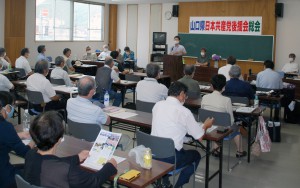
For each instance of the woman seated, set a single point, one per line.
(9, 141)
(44, 168)
(219, 103)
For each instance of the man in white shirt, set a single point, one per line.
(149, 90)
(225, 69)
(177, 49)
(4, 59)
(105, 53)
(171, 119)
(39, 82)
(89, 55)
(81, 109)
(22, 62)
(5, 84)
(68, 62)
(104, 77)
(268, 78)
(292, 66)
(59, 73)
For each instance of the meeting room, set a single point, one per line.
(149, 93)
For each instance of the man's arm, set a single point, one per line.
(207, 124)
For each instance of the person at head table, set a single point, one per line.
(89, 55)
(292, 66)
(44, 168)
(203, 60)
(177, 49)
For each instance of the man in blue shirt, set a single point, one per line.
(268, 78)
(237, 87)
(41, 56)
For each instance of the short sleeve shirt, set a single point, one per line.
(179, 48)
(5, 84)
(59, 73)
(22, 63)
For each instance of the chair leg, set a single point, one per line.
(19, 115)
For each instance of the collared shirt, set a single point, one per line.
(130, 56)
(204, 59)
(269, 79)
(22, 63)
(291, 67)
(5, 84)
(38, 82)
(4, 63)
(149, 90)
(170, 119)
(193, 85)
(225, 71)
(178, 49)
(42, 56)
(68, 64)
(114, 75)
(103, 55)
(82, 110)
(215, 101)
(59, 73)
(90, 56)
(239, 88)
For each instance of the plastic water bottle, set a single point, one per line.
(106, 99)
(26, 120)
(256, 102)
(148, 159)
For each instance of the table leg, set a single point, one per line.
(110, 126)
(207, 163)
(123, 92)
(221, 164)
(133, 90)
(249, 140)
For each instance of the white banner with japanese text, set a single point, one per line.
(226, 25)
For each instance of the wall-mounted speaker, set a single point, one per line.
(279, 9)
(175, 12)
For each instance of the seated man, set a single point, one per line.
(268, 78)
(22, 62)
(81, 109)
(193, 85)
(149, 90)
(41, 54)
(120, 56)
(42, 166)
(4, 59)
(128, 54)
(237, 87)
(59, 73)
(39, 82)
(225, 69)
(5, 84)
(172, 120)
(104, 53)
(292, 66)
(114, 55)
(219, 103)
(104, 77)
(68, 61)
(89, 55)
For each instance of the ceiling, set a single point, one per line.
(145, 1)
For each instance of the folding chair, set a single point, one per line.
(57, 81)
(161, 148)
(21, 183)
(85, 131)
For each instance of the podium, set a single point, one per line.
(173, 67)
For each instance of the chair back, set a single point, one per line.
(193, 94)
(21, 74)
(131, 77)
(85, 131)
(35, 97)
(242, 100)
(144, 106)
(57, 81)
(160, 147)
(21, 183)
(220, 118)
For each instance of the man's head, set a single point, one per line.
(86, 87)
(152, 70)
(292, 57)
(218, 82)
(41, 49)
(2, 52)
(235, 71)
(114, 54)
(203, 52)
(231, 60)
(118, 50)
(177, 39)
(105, 47)
(189, 70)
(67, 52)
(59, 61)
(88, 49)
(269, 64)
(47, 130)
(25, 52)
(41, 67)
(127, 50)
(178, 90)
(109, 61)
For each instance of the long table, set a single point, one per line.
(164, 79)
(144, 119)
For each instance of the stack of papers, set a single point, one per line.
(245, 109)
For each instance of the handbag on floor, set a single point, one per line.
(255, 148)
(264, 138)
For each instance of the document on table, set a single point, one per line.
(211, 128)
(204, 87)
(245, 109)
(123, 114)
(66, 89)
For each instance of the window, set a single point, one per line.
(65, 20)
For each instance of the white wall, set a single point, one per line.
(55, 48)
(122, 26)
(2, 16)
(169, 26)
(288, 33)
